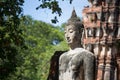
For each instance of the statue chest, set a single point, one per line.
(71, 67)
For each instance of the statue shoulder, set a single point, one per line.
(64, 55)
(84, 52)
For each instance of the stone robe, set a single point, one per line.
(77, 64)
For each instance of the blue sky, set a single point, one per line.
(46, 15)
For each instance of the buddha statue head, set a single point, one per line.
(73, 31)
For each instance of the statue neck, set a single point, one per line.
(75, 45)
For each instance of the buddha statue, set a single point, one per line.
(77, 63)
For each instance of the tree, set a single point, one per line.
(53, 5)
(16, 51)
(40, 47)
(10, 35)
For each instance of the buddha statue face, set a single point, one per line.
(72, 34)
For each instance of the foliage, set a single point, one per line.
(53, 5)
(26, 45)
(10, 35)
(39, 38)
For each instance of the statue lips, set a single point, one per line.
(68, 39)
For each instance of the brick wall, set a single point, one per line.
(102, 37)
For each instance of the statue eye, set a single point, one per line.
(71, 31)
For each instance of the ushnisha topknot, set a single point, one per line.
(74, 20)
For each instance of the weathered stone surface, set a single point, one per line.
(101, 36)
(106, 27)
(77, 63)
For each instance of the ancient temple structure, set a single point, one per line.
(102, 36)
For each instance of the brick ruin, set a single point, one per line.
(102, 36)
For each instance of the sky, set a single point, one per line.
(45, 15)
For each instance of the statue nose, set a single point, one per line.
(67, 38)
